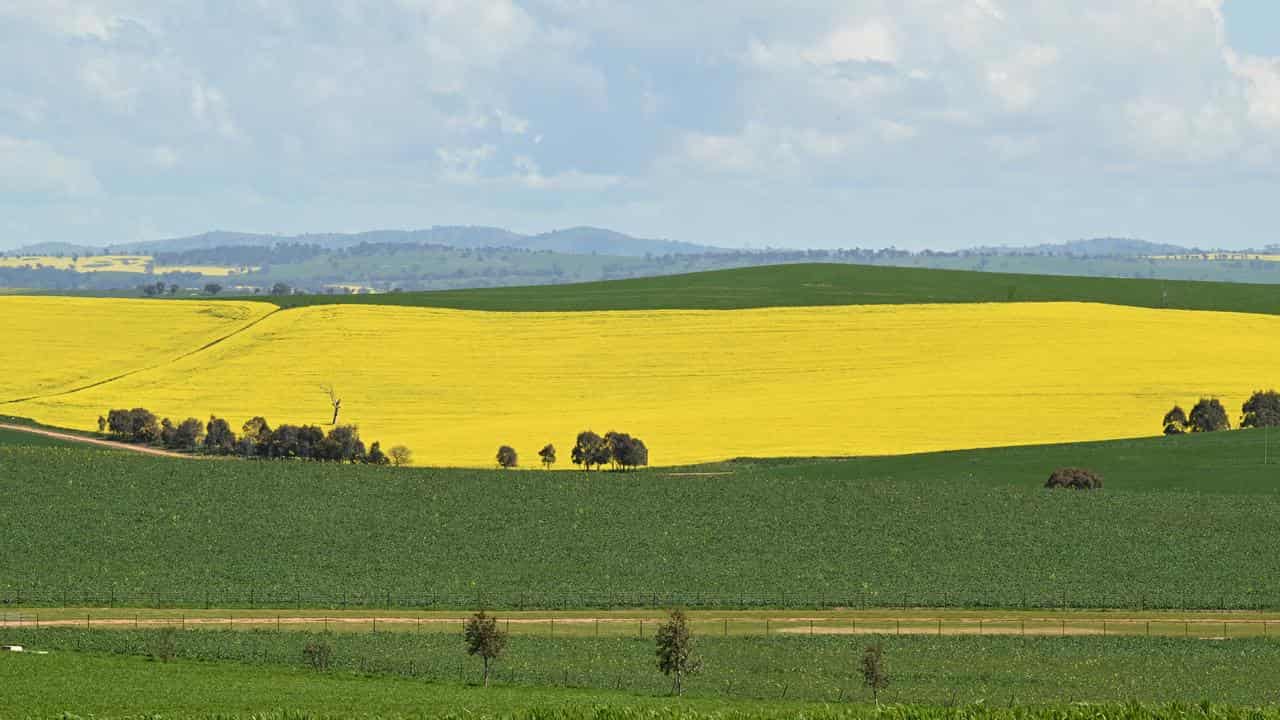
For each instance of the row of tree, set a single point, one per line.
(619, 450)
(675, 651)
(1262, 409)
(257, 439)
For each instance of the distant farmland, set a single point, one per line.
(696, 385)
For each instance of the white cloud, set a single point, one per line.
(209, 108)
(1261, 77)
(29, 166)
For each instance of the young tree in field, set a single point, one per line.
(675, 650)
(1208, 415)
(485, 639)
(590, 449)
(102, 424)
(1262, 409)
(1175, 421)
(548, 455)
(507, 457)
(400, 455)
(212, 288)
(873, 672)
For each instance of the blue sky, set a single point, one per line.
(912, 123)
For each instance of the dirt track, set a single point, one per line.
(69, 437)
(1199, 627)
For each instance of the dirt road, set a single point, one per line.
(111, 444)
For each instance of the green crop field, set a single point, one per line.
(925, 670)
(826, 284)
(1184, 522)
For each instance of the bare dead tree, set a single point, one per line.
(333, 400)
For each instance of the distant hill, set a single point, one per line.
(54, 248)
(1093, 247)
(578, 240)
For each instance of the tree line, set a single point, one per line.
(257, 439)
(1262, 409)
(619, 450)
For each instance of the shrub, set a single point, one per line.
(318, 655)
(163, 645)
(1074, 478)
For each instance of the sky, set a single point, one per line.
(851, 123)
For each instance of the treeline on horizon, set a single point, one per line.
(402, 266)
(1262, 409)
(257, 438)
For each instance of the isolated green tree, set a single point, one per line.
(212, 288)
(1208, 415)
(1262, 409)
(1175, 421)
(400, 455)
(676, 656)
(485, 639)
(548, 455)
(873, 672)
(102, 424)
(507, 457)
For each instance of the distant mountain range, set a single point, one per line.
(577, 240)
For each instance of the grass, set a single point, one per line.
(816, 670)
(1183, 522)
(108, 685)
(825, 284)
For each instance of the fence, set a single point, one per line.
(982, 598)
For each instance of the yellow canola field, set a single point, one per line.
(115, 263)
(95, 263)
(707, 385)
(55, 344)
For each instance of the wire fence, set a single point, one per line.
(978, 598)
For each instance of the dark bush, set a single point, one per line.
(1208, 415)
(1175, 421)
(1074, 478)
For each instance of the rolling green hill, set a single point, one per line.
(827, 284)
(1183, 522)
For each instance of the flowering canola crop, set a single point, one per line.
(706, 385)
(55, 344)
